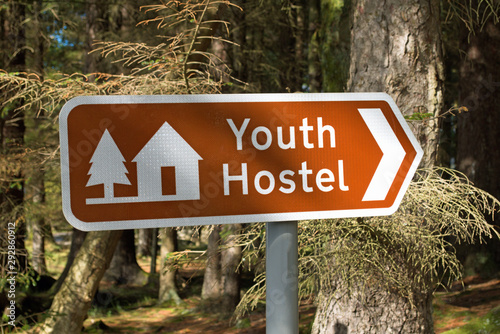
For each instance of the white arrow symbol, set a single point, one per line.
(392, 158)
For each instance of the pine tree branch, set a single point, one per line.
(191, 46)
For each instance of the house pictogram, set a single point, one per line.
(165, 149)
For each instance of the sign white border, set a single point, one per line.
(230, 219)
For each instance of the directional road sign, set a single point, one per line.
(154, 161)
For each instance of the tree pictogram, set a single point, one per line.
(107, 166)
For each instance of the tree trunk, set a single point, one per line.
(72, 302)
(211, 289)
(300, 33)
(478, 130)
(154, 251)
(168, 288)
(91, 28)
(373, 310)
(37, 173)
(314, 50)
(38, 38)
(38, 253)
(77, 238)
(38, 221)
(144, 239)
(230, 259)
(395, 48)
(12, 187)
(124, 268)
(12, 131)
(237, 54)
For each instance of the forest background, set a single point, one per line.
(437, 59)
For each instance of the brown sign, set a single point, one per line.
(153, 161)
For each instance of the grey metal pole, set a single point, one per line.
(282, 309)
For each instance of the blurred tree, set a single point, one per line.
(158, 69)
(478, 125)
(168, 287)
(77, 239)
(144, 239)
(221, 281)
(71, 303)
(230, 260)
(124, 268)
(211, 290)
(12, 130)
(36, 175)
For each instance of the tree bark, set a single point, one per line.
(12, 129)
(38, 38)
(300, 45)
(71, 303)
(91, 28)
(38, 225)
(77, 238)
(124, 268)
(230, 259)
(395, 48)
(38, 253)
(314, 49)
(144, 239)
(168, 289)
(211, 289)
(372, 310)
(154, 251)
(37, 174)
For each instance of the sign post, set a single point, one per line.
(282, 305)
(163, 161)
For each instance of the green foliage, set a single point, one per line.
(410, 252)
(243, 323)
(480, 263)
(488, 324)
(334, 38)
(290, 46)
(157, 65)
(164, 68)
(419, 116)
(475, 14)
